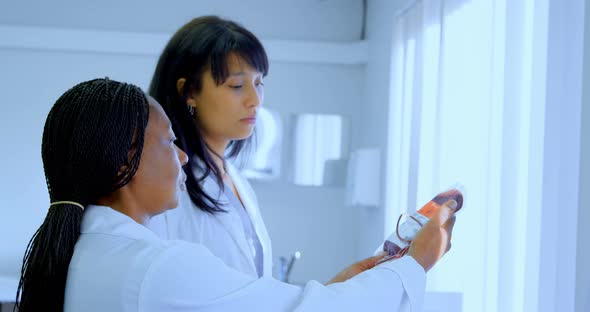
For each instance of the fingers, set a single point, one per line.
(434, 239)
(445, 212)
(448, 226)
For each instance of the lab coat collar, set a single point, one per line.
(245, 196)
(231, 222)
(251, 205)
(105, 220)
(210, 183)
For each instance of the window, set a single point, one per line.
(462, 111)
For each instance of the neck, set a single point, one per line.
(124, 203)
(216, 149)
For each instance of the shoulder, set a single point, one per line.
(182, 254)
(177, 262)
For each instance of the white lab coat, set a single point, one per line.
(222, 233)
(119, 265)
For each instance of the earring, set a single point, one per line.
(191, 110)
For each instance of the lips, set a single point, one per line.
(251, 119)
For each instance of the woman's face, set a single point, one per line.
(228, 111)
(159, 178)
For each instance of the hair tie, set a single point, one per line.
(67, 202)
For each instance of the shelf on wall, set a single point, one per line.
(150, 44)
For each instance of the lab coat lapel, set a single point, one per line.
(251, 204)
(230, 221)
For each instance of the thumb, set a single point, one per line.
(445, 212)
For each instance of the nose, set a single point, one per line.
(182, 156)
(254, 98)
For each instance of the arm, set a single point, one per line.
(188, 277)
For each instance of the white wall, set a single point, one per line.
(561, 163)
(583, 246)
(583, 234)
(372, 131)
(314, 220)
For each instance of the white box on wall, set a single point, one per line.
(364, 175)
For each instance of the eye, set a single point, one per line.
(236, 86)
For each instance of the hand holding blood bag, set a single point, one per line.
(397, 244)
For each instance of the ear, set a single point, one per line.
(180, 89)
(180, 85)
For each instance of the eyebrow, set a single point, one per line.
(242, 73)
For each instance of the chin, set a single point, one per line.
(244, 135)
(174, 204)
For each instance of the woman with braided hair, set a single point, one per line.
(93, 140)
(111, 164)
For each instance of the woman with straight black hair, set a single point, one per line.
(209, 79)
(111, 164)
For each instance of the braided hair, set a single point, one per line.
(92, 143)
(204, 43)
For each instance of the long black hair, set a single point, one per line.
(92, 143)
(204, 43)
